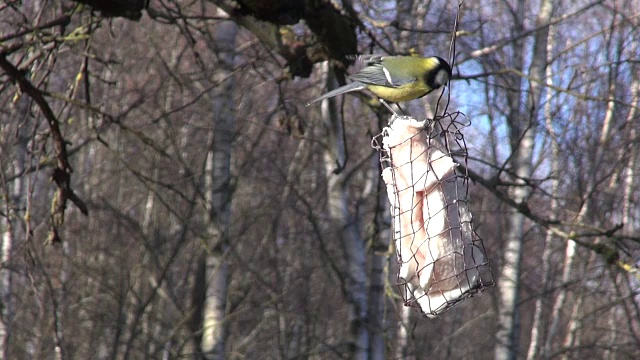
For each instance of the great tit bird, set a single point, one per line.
(396, 78)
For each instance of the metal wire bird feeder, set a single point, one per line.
(441, 258)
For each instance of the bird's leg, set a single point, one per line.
(388, 107)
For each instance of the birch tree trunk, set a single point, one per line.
(13, 193)
(627, 208)
(402, 341)
(537, 327)
(346, 225)
(6, 246)
(379, 261)
(522, 136)
(592, 182)
(571, 338)
(213, 271)
(509, 278)
(585, 210)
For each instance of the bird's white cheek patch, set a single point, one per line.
(442, 77)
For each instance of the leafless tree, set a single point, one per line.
(166, 193)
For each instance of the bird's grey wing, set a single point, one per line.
(354, 86)
(376, 74)
(372, 74)
(401, 80)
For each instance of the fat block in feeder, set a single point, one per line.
(440, 256)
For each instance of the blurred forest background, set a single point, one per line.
(166, 194)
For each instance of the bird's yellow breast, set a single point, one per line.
(405, 92)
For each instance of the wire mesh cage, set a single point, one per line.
(441, 259)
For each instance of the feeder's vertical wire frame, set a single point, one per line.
(462, 144)
(453, 131)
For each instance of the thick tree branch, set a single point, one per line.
(333, 33)
(129, 9)
(61, 174)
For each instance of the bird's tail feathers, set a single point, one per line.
(354, 86)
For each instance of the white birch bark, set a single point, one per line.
(6, 246)
(537, 327)
(346, 225)
(402, 338)
(522, 137)
(627, 208)
(379, 261)
(14, 198)
(508, 280)
(574, 325)
(570, 252)
(14, 193)
(612, 322)
(616, 315)
(217, 188)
